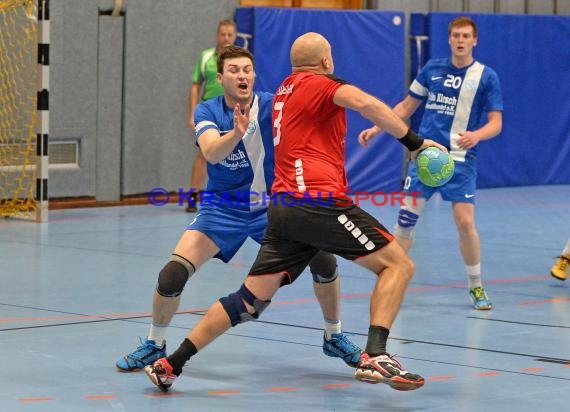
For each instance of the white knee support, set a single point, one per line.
(408, 216)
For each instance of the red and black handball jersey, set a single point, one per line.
(309, 133)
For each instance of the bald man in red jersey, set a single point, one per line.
(309, 212)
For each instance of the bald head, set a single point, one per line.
(311, 51)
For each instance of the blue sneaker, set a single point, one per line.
(341, 347)
(480, 299)
(146, 354)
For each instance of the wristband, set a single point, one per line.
(411, 141)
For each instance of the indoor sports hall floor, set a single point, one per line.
(75, 296)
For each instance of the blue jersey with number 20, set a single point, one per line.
(455, 100)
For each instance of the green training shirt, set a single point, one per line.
(205, 72)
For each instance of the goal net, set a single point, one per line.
(18, 88)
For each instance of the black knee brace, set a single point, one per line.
(236, 309)
(323, 267)
(173, 276)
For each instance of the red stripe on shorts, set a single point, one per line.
(387, 235)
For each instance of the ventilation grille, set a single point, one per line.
(60, 154)
(64, 153)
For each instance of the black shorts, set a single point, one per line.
(296, 232)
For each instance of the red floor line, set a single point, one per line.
(440, 378)
(419, 289)
(227, 392)
(336, 385)
(48, 398)
(104, 316)
(485, 374)
(292, 302)
(543, 301)
(533, 369)
(162, 395)
(280, 389)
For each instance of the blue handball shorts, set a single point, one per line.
(229, 228)
(461, 187)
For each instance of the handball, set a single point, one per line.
(435, 168)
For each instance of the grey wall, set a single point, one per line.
(108, 163)
(162, 44)
(119, 85)
(73, 91)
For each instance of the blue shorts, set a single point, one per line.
(229, 228)
(461, 187)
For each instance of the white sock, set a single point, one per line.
(331, 327)
(157, 333)
(566, 251)
(474, 275)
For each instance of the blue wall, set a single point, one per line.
(368, 50)
(531, 55)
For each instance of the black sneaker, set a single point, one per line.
(193, 202)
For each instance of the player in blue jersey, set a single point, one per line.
(241, 171)
(463, 106)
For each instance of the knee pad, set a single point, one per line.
(236, 309)
(173, 276)
(323, 267)
(408, 217)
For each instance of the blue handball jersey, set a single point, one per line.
(244, 178)
(455, 101)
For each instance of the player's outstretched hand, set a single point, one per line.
(427, 143)
(368, 134)
(241, 119)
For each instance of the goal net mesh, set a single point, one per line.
(18, 87)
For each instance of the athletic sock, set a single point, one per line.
(566, 250)
(377, 338)
(157, 334)
(474, 276)
(331, 327)
(184, 352)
